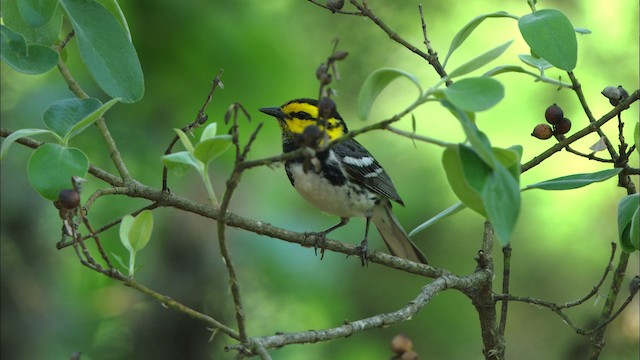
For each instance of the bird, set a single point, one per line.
(342, 179)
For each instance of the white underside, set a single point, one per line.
(342, 201)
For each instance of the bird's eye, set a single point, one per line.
(302, 115)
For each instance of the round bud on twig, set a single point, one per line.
(326, 107)
(563, 126)
(613, 94)
(335, 5)
(554, 114)
(67, 199)
(542, 132)
(401, 344)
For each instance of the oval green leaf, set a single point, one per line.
(140, 231)
(466, 30)
(31, 59)
(62, 115)
(125, 227)
(475, 94)
(182, 161)
(209, 149)
(480, 61)
(106, 50)
(628, 222)
(574, 181)
(47, 34)
(501, 200)
(36, 12)
(455, 172)
(51, 167)
(209, 132)
(549, 33)
(375, 83)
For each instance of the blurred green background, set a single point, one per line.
(53, 307)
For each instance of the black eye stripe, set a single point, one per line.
(301, 115)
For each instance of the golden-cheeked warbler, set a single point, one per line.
(347, 180)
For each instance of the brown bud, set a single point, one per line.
(563, 126)
(554, 114)
(68, 199)
(339, 55)
(335, 4)
(321, 71)
(613, 94)
(326, 107)
(542, 132)
(401, 344)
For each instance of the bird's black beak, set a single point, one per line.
(276, 112)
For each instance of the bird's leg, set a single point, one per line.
(362, 250)
(321, 236)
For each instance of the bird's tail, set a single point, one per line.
(394, 235)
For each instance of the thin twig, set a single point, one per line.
(506, 275)
(200, 119)
(405, 313)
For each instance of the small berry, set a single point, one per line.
(563, 126)
(401, 344)
(554, 114)
(68, 199)
(321, 71)
(335, 5)
(613, 94)
(542, 132)
(326, 108)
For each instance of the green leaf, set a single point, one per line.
(375, 83)
(477, 138)
(184, 139)
(628, 222)
(211, 148)
(19, 134)
(480, 61)
(89, 119)
(125, 227)
(26, 58)
(466, 30)
(453, 209)
(106, 50)
(51, 167)
(549, 33)
(182, 161)
(36, 12)
(140, 231)
(475, 94)
(62, 115)
(114, 8)
(209, 132)
(510, 159)
(456, 176)
(538, 63)
(501, 200)
(504, 69)
(574, 181)
(47, 34)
